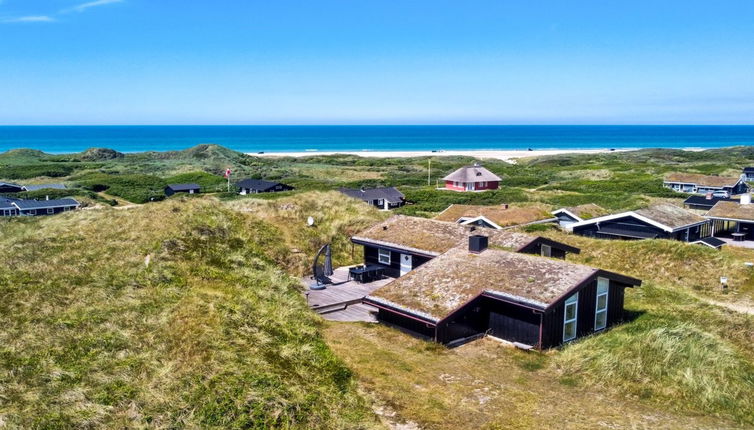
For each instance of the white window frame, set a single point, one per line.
(597, 311)
(50, 211)
(383, 256)
(571, 301)
(547, 253)
(380, 202)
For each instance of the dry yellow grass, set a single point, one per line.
(486, 385)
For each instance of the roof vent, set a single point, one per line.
(746, 199)
(477, 243)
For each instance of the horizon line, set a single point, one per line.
(384, 125)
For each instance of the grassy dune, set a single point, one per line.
(171, 315)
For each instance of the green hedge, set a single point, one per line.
(134, 188)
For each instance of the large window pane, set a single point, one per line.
(569, 330)
(570, 312)
(600, 321)
(602, 302)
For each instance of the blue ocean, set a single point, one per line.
(65, 139)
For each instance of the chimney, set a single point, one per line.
(384, 227)
(47, 197)
(477, 244)
(504, 205)
(708, 196)
(746, 199)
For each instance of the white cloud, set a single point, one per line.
(31, 18)
(84, 6)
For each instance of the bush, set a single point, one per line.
(35, 170)
(134, 188)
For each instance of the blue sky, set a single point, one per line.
(376, 62)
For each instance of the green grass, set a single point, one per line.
(135, 188)
(211, 333)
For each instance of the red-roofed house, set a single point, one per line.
(472, 178)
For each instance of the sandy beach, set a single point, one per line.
(506, 155)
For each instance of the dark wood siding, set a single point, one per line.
(535, 248)
(406, 323)
(467, 321)
(627, 224)
(516, 326)
(371, 256)
(501, 319)
(552, 327)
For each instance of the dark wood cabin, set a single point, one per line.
(703, 203)
(172, 189)
(21, 207)
(384, 198)
(703, 184)
(403, 243)
(532, 301)
(7, 187)
(256, 186)
(748, 173)
(661, 221)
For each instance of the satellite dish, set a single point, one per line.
(310, 221)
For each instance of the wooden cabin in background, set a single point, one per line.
(574, 214)
(660, 221)
(256, 186)
(472, 178)
(384, 198)
(182, 188)
(703, 184)
(23, 207)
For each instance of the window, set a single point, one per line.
(380, 202)
(600, 313)
(50, 211)
(546, 251)
(570, 317)
(384, 256)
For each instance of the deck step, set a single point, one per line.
(335, 307)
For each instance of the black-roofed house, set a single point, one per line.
(748, 173)
(382, 197)
(255, 186)
(472, 178)
(38, 187)
(7, 187)
(39, 207)
(703, 184)
(182, 188)
(403, 243)
(7, 208)
(660, 221)
(574, 214)
(704, 203)
(532, 301)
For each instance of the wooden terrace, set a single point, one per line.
(341, 300)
